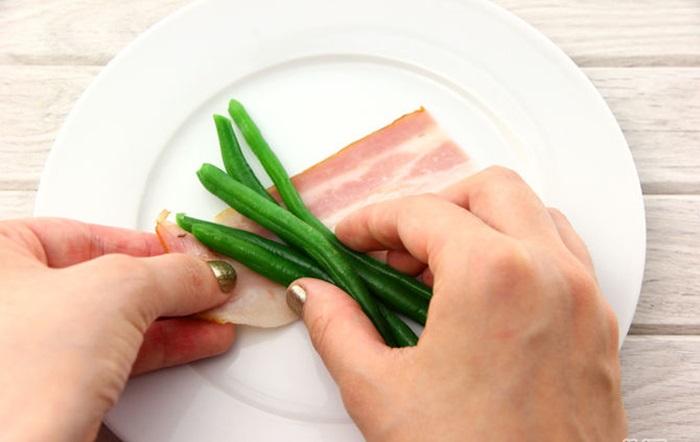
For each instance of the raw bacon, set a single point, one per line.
(255, 301)
(412, 155)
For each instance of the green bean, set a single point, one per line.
(279, 250)
(252, 255)
(185, 222)
(392, 294)
(270, 263)
(272, 165)
(414, 309)
(400, 283)
(234, 161)
(404, 336)
(296, 232)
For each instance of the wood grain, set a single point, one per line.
(76, 32)
(659, 112)
(592, 32)
(16, 203)
(670, 300)
(34, 102)
(661, 387)
(618, 33)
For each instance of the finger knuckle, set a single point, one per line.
(500, 173)
(495, 182)
(426, 204)
(191, 274)
(510, 258)
(129, 280)
(416, 205)
(423, 200)
(580, 282)
(124, 265)
(582, 291)
(556, 214)
(613, 325)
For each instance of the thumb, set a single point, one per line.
(183, 285)
(172, 284)
(340, 331)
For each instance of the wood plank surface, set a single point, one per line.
(75, 32)
(592, 32)
(657, 108)
(618, 32)
(16, 203)
(670, 301)
(659, 112)
(34, 102)
(661, 387)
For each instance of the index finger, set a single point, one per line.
(60, 242)
(421, 225)
(504, 201)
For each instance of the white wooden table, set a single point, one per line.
(643, 55)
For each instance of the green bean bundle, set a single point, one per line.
(276, 262)
(401, 284)
(298, 233)
(416, 312)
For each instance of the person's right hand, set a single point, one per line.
(519, 344)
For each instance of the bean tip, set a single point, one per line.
(218, 118)
(181, 220)
(235, 106)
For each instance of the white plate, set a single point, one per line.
(320, 74)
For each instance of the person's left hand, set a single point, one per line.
(79, 306)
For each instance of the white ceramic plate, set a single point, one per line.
(320, 74)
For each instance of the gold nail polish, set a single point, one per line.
(296, 297)
(225, 274)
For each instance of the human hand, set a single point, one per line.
(519, 344)
(78, 316)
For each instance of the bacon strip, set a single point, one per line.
(412, 155)
(255, 301)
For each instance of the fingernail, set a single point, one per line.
(225, 274)
(296, 297)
